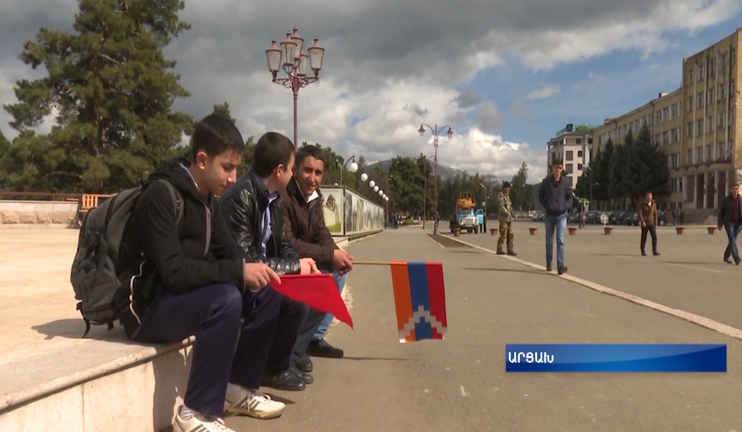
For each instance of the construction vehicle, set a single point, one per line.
(465, 217)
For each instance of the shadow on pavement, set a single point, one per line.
(374, 358)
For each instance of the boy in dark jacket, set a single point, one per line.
(730, 217)
(555, 196)
(306, 229)
(188, 279)
(252, 209)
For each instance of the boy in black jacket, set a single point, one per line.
(188, 279)
(252, 209)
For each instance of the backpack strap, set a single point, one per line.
(175, 195)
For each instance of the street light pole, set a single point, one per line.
(436, 132)
(293, 60)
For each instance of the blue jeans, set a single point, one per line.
(732, 231)
(340, 282)
(558, 223)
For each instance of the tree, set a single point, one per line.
(646, 168)
(112, 91)
(617, 168)
(582, 189)
(521, 195)
(602, 169)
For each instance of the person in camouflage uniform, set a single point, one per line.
(505, 216)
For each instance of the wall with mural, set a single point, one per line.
(358, 215)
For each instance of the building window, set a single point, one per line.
(724, 61)
(720, 154)
(710, 124)
(699, 128)
(553, 156)
(589, 140)
(722, 94)
(690, 104)
(579, 153)
(721, 120)
(699, 100)
(699, 154)
(690, 75)
(701, 73)
(711, 96)
(569, 168)
(579, 140)
(569, 155)
(689, 128)
(579, 167)
(689, 156)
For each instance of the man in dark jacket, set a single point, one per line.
(555, 196)
(252, 210)
(648, 220)
(188, 279)
(730, 217)
(306, 229)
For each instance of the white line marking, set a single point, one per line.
(696, 319)
(693, 267)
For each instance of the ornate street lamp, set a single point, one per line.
(293, 60)
(436, 133)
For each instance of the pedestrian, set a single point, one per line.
(505, 216)
(555, 196)
(730, 217)
(648, 220)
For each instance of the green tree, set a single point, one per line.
(112, 90)
(521, 194)
(617, 171)
(646, 168)
(602, 169)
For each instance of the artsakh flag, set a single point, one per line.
(420, 299)
(317, 291)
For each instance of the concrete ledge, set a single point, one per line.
(37, 212)
(71, 382)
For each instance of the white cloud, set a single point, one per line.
(543, 93)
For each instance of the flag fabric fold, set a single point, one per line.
(317, 291)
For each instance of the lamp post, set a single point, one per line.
(352, 168)
(293, 60)
(485, 206)
(425, 189)
(436, 132)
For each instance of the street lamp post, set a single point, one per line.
(436, 132)
(293, 60)
(352, 168)
(485, 206)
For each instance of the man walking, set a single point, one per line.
(730, 217)
(648, 220)
(505, 216)
(555, 196)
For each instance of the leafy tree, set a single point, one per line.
(617, 170)
(582, 189)
(112, 91)
(601, 173)
(646, 168)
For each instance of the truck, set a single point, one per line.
(465, 217)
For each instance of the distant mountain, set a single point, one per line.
(444, 172)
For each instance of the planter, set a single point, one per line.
(493, 231)
(607, 230)
(532, 230)
(679, 230)
(572, 230)
(711, 230)
(457, 232)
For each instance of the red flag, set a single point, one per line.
(317, 291)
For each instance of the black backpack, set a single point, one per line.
(93, 276)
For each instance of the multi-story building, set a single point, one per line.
(710, 160)
(575, 149)
(694, 125)
(664, 118)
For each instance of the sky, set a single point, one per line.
(505, 75)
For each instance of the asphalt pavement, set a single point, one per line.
(460, 383)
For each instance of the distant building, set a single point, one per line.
(575, 149)
(695, 127)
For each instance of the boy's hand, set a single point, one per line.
(259, 275)
(308, 266)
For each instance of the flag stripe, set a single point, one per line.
(402, 300)
(419, 295)
(437, 293)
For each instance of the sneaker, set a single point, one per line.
(200, 423)
(255, 404)
(562, 270)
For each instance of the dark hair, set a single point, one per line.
(309, 150)
(272, 149)
(216, 134)
(647, 192)
(556, 162)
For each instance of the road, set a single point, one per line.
(460, 383)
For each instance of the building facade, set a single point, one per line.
(695, 126)
(574, 149)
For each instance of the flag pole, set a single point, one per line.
(371, 263)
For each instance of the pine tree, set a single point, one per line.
(111, 91)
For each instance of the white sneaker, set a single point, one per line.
(200, 423)
(254, 404)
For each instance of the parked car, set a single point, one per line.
(618, 217)
(538, 217)
(661, 218)
(593, 217)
